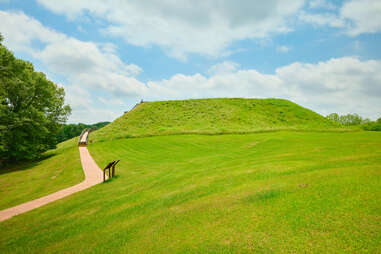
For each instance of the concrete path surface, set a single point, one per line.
(93, 174)
(84, 136)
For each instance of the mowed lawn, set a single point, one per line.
(23, 182)
(281, 192)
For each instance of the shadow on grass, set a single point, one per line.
(24, 165)
(111, 179)
(265, 195)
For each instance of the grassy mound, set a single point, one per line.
(278, 192)
(283, 192)
(212, 116)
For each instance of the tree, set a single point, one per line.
(32, 109)
(373, 126)
(334, 117)
(348, 120)
(351, 119)
(356, 120)
(69, 131)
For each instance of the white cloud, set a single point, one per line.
(323, 4)
(283, 49)
(223, 68)
(343, 85)
(20, 31)
(355, 17)
(183, 27)
(323, 19)
(112, 101)
(83, 64)
(85, 109)
(365, 16)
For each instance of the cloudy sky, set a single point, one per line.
(108, 55)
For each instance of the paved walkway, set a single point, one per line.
(84, 137)
(93, 173)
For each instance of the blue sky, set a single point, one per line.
(324, 55)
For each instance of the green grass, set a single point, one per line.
(213, 116)
(26, 181)
(278, 192)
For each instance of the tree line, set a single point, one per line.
(69, 131)
(356, 120)
(32, 109)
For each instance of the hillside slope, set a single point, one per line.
(283, 192)
(212, 116)
(27, 180)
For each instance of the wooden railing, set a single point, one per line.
(111, 170)
(83, 138)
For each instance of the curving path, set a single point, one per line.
(93, 176)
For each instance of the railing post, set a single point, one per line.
(113, 168)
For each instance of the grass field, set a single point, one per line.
(213, 116)
(23, 182)
(277, 192)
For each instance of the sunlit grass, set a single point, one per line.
(281, 192)
(26, 181)
(213, 116)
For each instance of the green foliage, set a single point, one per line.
(348, 120)
(373, 125)
(334, 117)
(280, 192)
(69, 131)
(356, 120)
(213, 116)
(32, 109)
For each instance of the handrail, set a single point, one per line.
(82, 142)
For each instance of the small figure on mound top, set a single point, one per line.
(141, 101)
